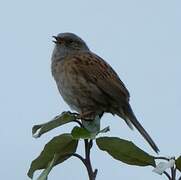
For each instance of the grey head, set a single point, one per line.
(66, 44)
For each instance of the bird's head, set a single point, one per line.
(69, 42)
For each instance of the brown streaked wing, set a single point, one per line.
(100, 73)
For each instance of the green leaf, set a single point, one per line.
(178, 163)
(81, 133)
(44, 174)
(64, 118)
(125, 151)
(62, 146)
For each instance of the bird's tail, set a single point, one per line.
(131, 119)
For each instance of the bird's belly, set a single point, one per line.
(75, 93)
(68, 94)
(79, 93)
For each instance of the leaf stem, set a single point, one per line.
(164, 158)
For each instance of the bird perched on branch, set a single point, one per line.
(89, 85)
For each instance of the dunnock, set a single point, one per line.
(89, 85)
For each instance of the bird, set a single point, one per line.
(89, 85)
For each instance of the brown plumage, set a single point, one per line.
(89, 85)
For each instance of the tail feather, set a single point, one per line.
(129, 123)
(130, 118)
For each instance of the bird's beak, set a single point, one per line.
(55, 41)
(58, 40)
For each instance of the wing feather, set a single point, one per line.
(99, 72)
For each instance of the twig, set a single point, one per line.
(79, 157)
(86, 161)
(173, 173)
(88, 145)
(169, 177)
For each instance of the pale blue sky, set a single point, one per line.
(140, 39)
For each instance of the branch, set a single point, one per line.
(79, 157)
(92, 174)
(86, 161)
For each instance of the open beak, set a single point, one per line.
(58, 40)
(55, 41)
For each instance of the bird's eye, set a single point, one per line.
(71, 41)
